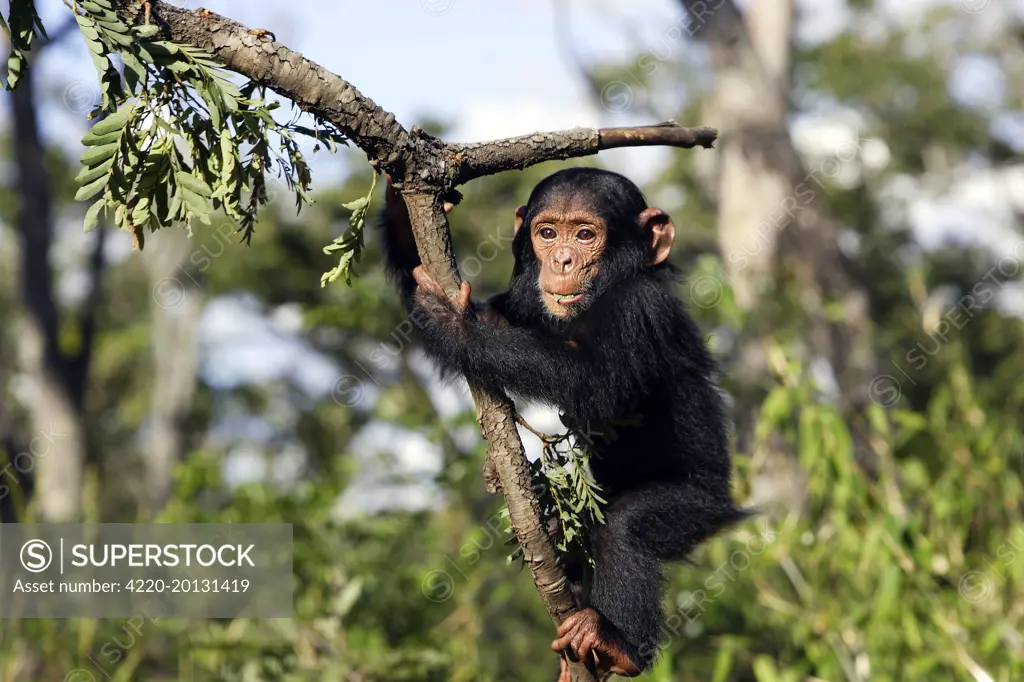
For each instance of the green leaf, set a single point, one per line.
(92, 36)
(358, 204)
(94, 8)
(143, 53)
(179, 66)
(115, 122)
(174, 210)
(15, 66)
(134, 71)
(92, 216)
(160, 203)
(140, 213)
(100, 153)
(195, 203)
(90, 173)
(90, 190)
(162, 48)
(194, 184)
(765, 670)
(120, 39)
(112, 26)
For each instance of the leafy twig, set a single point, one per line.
(351, 243)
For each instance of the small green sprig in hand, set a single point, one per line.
(571, 497)
(351, 243)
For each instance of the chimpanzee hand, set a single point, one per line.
(431, 287)
(583, 632)
(441, 319)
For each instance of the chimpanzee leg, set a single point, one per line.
(642, 528)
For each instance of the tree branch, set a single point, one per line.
(254, 54)
(486, 158)
(425, 169)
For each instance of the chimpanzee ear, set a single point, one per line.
(520, 215)
(658, 226)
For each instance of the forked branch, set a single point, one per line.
(424, 168)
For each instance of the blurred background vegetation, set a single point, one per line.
(853, 249)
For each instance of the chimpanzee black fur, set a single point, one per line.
(634, 350)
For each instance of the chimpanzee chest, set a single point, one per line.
(628, 456)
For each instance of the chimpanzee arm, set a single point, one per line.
(401, 257)
(598, 376)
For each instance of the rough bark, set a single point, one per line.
(424, 169)
(487, 158)
(749, 95)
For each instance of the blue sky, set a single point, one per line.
(493, 69)
(490, 69)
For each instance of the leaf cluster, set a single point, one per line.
(352, 242)
(176, 138)
(20, 27)
(570, 498)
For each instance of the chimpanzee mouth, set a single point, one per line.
(566, 299)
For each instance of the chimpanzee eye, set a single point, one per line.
(547, 233)
(585, 235)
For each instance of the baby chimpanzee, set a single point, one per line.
(590, 325)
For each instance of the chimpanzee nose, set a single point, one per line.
(563, 259)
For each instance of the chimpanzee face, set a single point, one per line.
(568, 240)
(573, 243)
(582, 232)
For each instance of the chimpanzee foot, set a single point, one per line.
(583, 633)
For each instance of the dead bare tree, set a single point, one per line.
(424, 169)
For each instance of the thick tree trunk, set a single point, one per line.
(771, 215)
(176, 305)
(750, 101)
(55, 393)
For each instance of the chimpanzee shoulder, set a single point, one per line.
(644, 314)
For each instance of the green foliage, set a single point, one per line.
(569, 494)
(20, 27)
(916, 575)
(179, 134)
(350, 244)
